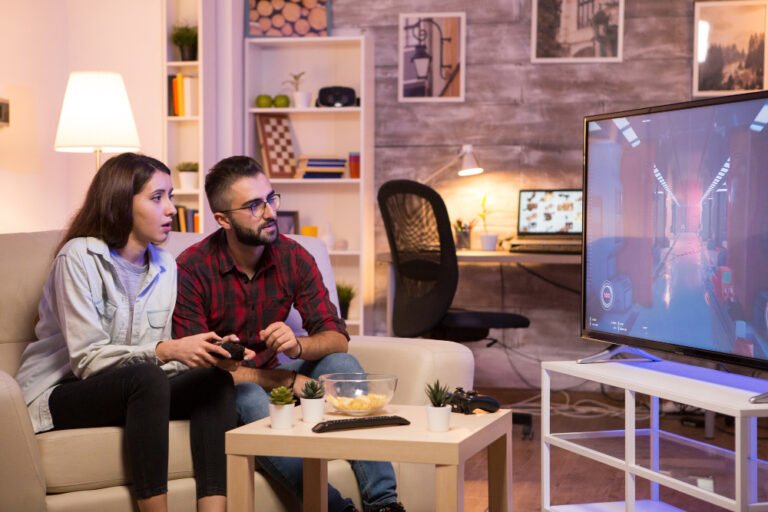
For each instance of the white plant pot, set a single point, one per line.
(188, 180)
(312, 410)
(488, 241)
(302, 99)
(438, 418)
(281, 416)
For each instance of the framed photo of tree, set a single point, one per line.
(577, 30)
(729, 47)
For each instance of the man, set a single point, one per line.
(243, 280)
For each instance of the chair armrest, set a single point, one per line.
(22, 482)
(416, 362)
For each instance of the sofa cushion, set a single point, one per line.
(67, 469)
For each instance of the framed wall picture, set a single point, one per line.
(276, 145)
(288, 222)
(431, 57)
(577, 30)
(729, 47)
(287, 18)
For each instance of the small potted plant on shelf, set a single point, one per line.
(487, 240)
(188, 175)
(301, 99)
(281, 407)
(438, 412)
(346, 293)
(312, 402)
(184, 37)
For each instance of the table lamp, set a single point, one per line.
(469, 165)
(96, 116)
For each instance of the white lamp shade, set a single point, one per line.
(96, 115)
(469, 165)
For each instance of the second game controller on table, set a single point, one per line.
(467, 401)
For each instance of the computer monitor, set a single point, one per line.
(676, 228)
(549, 212)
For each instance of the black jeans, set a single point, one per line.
(142, 399)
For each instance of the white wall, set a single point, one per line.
(40, 43)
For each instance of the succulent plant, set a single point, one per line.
(312, 389)
(438, 395)
(281, 395)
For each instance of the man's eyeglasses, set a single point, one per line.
(258, 206)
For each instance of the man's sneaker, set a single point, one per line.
(392, 507)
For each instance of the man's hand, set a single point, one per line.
(228, 364)
(280, 338)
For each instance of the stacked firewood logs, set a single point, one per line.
(288, 18)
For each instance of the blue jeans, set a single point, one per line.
(375, 479)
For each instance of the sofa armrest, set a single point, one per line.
(22, 482)
(416, 362)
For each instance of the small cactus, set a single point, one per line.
(438, 395)
(312, 389)
(281, 395)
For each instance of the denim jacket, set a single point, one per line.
(83, 321)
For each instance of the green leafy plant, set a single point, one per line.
(438, 394)
(184, 35)
(295, 81)
(346, 293)
(484, 212)
(312, 389)
(187, 167)
(281, 395)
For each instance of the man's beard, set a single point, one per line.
(255, 238)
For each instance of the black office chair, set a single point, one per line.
(427, 271)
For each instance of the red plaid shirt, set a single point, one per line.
(214, 295)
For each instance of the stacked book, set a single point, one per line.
(322, 167)
(182, 95)
(187, 220)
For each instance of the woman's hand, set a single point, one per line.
(228, 364)
(194, 351)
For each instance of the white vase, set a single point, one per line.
(302, 99)
(281, 416)
(438, 418)
(188, 180)
(312, 410)
(488, 241)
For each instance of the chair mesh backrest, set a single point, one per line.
(423, 254)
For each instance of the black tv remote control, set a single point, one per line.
(362, 422)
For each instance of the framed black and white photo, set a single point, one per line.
(431, 62)
(729, 47)
(288, 222)
(577, 30)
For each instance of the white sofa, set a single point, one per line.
(83, 470)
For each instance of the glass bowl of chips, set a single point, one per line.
(358, 394)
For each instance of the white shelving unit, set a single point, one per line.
(345, 205)
(189, 138)
(742, 483)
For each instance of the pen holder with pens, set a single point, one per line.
(463, 234)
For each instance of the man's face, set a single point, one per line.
(250, 229)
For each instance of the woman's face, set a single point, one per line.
(153, 210)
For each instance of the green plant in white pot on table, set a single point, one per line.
(438, 412)
(281, 404)
(188, 175)
(487, 240)
(312, 402)
(301, 99)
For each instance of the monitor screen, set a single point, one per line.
(549, 212)
(676, 228)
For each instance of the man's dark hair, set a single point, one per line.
(224, 174)
(107, 212)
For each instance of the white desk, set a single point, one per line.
(469, 256)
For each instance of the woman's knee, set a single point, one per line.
(148, 379)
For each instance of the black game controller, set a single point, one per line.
(467, 401)
(236, 350)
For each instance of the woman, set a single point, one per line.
(103, 355)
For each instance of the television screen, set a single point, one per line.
(549, 212)
(676, 228)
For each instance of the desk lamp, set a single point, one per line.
(96, 116)
(469, 165)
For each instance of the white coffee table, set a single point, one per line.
(412, 443)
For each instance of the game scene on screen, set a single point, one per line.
(677, 227)
(549, 212)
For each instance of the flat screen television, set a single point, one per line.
(676, 228)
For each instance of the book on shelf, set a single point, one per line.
(182, 95)
(187, 220)
(322, 175)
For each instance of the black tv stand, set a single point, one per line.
(621, 353)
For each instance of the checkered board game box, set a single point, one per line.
(276, 147)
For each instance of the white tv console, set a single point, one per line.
(639, 452)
